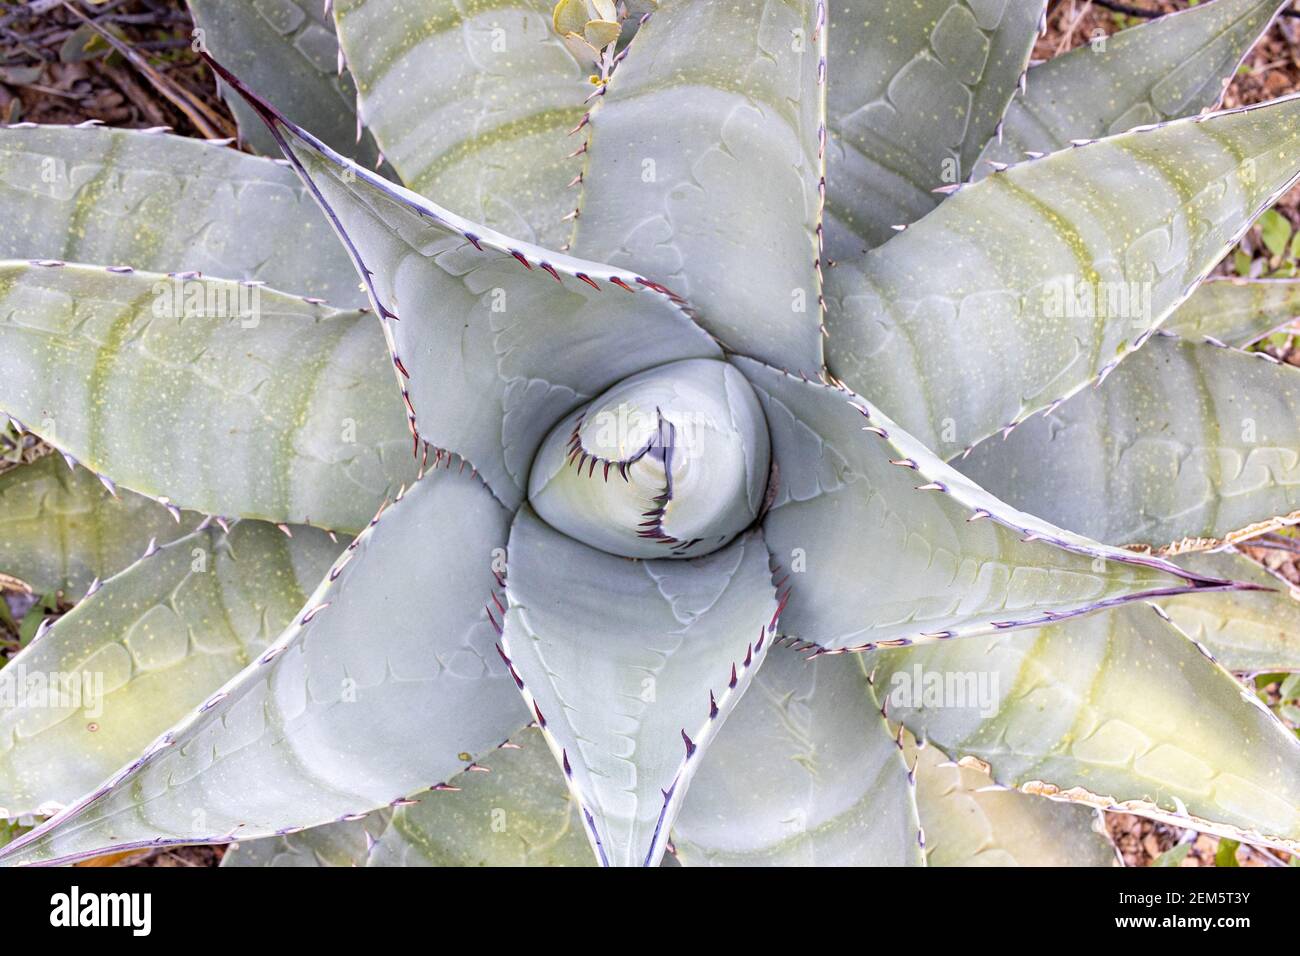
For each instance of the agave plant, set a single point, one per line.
(827, 446)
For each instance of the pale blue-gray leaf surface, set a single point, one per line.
(291, 740)
(1022, 288)
(885, 544)
(631, 667)
(916, 88)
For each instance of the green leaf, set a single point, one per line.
(570, 16)
(35, 619)
(291, 740)
(218, 396)
(144, 650)
(631, 667)
(1184, 444)
(916, 88)
(512, 808)
(485, 132)
(601, 33)
(345, 843)
(494, 340)
(165, 203)
(60, 529)
(1275, 230)
(712, 100)
(1021, 289)
(1237, 312)
(1119, 711)
(1174, 856)
(805, 773)
(1226, 854)
(882, 542)
(1246, 631)
(1162, 69)
(288, 50)
(970, 821)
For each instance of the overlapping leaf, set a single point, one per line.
(1119, 711)
(968, 821)
(288, 50)
(1174, 66)
(216, 396)
(704, 166)
(144, 650)
(345, 843)
(630, 668)
(512, 808)
(60, 529)
(1249, 631)
(916, 90)
(1237, 312)
(805, 773)
(493, 340)
(1022, 288)
(1182, 443)
(485, 133)
(291, 740)
(884, 544)
(163, 203)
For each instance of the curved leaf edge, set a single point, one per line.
(742, 673)
(1236, 536)
(110, 484)
(528, 255)
(1100, 375)
(1216, 106)
(1178, 817)
(939, 477)
(316, 603)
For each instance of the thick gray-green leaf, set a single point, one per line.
(1185, 444)
(883, 543)
(286, 49)
(805, 773)
(472, 102)
(1174, 66)
(704, 168)
(513, 808)
(1247, 631)
(60, 529)
(165, 203)
(345, 843)
(1237, 312)
(1117, 710)
(143, 651)
(1024, 287)
(218, 396)
(970, 822)
(493, 340)
(631, 667)
(386, 682)
(917, 87)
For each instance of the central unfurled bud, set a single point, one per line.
(670, 463)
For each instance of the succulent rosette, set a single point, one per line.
(818, 419)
